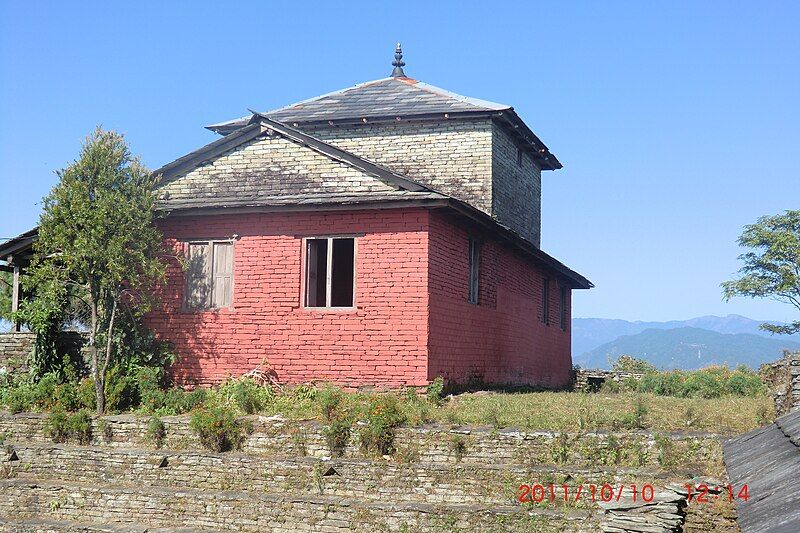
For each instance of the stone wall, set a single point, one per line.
(516, 187)
(454, 157)
(472, 160)
(275, 436)
(268, 166)
(783, 379)
(588, 380)
(14, 351)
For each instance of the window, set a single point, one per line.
(563, 307)
(546, 302)
(209, 277)
(519, 157)
(474, 270)
(330, 272)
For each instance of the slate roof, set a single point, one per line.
(767, 460)
(388, 97)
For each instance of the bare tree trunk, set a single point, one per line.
(99, 381)
(109, 346)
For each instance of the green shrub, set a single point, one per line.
(79, 427)
(248, 395)
(19, 398)
(61, 427)
(744, 382)
(156, 431)
(384, 414)
(337, 435)
(56, 426)
(627, 363)
(435, 391)
(218, 429)
(336, 417)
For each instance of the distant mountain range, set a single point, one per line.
(689, 344)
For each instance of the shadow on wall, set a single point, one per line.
(179, 319)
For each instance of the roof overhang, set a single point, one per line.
(506, 118)
(505, 234)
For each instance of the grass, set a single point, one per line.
(554, 411)
(572, 411)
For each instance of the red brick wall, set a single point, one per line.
(384, 341)
(502, 339)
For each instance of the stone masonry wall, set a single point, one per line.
(453, 157)
(783, 379)
(269, 166)
(472, 160)
(516, 187)
(429, 445)
(14, 351)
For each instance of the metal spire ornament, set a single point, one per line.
(398, 63)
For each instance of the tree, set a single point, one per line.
(98, 245)
(772, 269)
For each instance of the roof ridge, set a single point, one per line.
(477, 102)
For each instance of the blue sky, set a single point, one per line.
(677, 122)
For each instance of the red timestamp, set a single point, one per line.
(702, 493)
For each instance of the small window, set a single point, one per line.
(519, 157)
(546, 302)
(330, 272)
(209, 276)
(474, 270)
(563, 307)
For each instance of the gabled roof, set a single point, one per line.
(397, 98)
(407, 191)
(767, 460)
(257, 125)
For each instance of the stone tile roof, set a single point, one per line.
(767, 460)
(315, 199)
(388, 97)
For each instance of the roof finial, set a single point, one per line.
(398, 63)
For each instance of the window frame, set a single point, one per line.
(474, 269)
(328, 274)
(209, 242)
(545, 301)
(564, 291)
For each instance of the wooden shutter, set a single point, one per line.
(198, 277)
(222, 295)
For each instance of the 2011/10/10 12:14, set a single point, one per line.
(537, 493)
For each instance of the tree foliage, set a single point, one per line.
(772, 267)
(98, 249)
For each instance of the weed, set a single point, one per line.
(435, 391)
(156, 431)
(457, 445)
(105, 430)
(383, 416)
(60, 427)
(218, 429)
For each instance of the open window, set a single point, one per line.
(330, 272)
(209, 276)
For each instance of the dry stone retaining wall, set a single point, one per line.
(274, 436)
